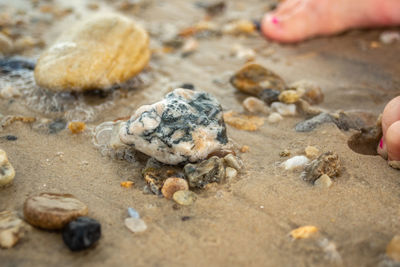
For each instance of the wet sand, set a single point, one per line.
(243, 223)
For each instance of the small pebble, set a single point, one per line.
(323, 182)
(233, 162)
(173, 184)
(12, 229)
(127, 184)
(394, 164)
(241, 26)
(81, 233)
(311, 152)
(289, 96)
(11, 137)
(7, 172)
(274, 117)
(189, 86)
(53, 211)
(285, 153)
(243, 122)
(255, 105)
(269, 96)
(57, 125)
(185, 218)
(241, 52)
(393, 248)
(303, 232)
(76, 127)
(133, 213)
(245, 149)
(284, 109)
(135, 225)
(230, 173)
(389, 37)
(184, 197)
(309, 91)
(311, 124)
(6, 44)
(295, 162)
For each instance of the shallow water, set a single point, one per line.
(245, 222)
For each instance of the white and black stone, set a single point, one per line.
(186, 126)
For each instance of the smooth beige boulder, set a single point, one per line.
(94, 54)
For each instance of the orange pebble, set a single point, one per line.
(303, 232)
(245, 149)
(127, 184)
(76, 126)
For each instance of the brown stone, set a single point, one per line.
(53, 211)
(243, 122)
(172, 185)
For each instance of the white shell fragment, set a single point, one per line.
(185, 126)
(284, 109)
(135, 225)
(295, 162)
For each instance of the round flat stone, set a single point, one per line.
(135, 225)
(81, 233)
(173, 184)
(184, 197)
(53, 211)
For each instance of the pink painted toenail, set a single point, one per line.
(274, 20)
(381, 143)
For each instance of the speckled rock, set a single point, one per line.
(205, 172)
(253, 79)
(12, 229)
(81, 233)
(184, 197)
(185, 126)
(53, 211)
(7, 172)
(94, 54)
(311, 124)
(173, 184)
(327, 163)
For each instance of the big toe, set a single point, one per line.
(393, 141)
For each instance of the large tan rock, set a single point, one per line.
(95, 54)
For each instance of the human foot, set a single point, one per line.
(297, 20)
(390, 143)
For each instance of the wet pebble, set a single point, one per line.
(269, 96)
(311, 152)
(185, 126)
(311, 124)
(7, 172)
(274, 117)
(289, 96)
(81, 233)
(255, 106)
(309, 91)
(173, 184)
(133, 213)
(253, 79)
(205, 172)
(327, 163)
(295, 162)
(53, 211)
(233, 162)
(86, 49)
(230, 173)
(184, 197)
(242, 121)
(303, 232)
(323, 182)
(393, 248)
(284, 109)
(12, 229)
(135, 225)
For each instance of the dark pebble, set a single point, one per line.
(57, 125)
(11, 137)
(257, 24)
(269, 96)
(81, 233)
(186, 218)
(189, 86)
(8, 65)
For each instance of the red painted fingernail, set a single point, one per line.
(275, 20)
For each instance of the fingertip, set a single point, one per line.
(391, 113)
(392, 139)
